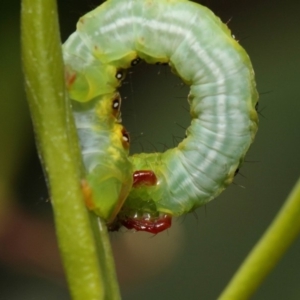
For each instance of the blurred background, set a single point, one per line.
(196, 257)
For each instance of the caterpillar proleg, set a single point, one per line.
(200, 49)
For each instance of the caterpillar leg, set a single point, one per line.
(148, 223)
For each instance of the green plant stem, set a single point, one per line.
(271, 247)
(84, 245)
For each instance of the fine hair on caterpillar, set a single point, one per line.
(145, 190)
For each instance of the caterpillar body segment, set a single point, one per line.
(104, 146)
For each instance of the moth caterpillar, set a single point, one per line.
(200, 49)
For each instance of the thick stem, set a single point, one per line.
(85, 250)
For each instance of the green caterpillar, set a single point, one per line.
(200, 49)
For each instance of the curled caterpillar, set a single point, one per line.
(200, 49)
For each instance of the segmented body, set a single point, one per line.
(200, 49)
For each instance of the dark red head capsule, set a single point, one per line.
(144, 177)
(153, 224)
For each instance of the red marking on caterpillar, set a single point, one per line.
(144, 177)
(149, 224)
(70, 78)
(87, 194)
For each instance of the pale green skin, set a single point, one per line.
(109, 172)
(201, 51)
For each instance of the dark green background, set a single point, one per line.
(214, 243)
